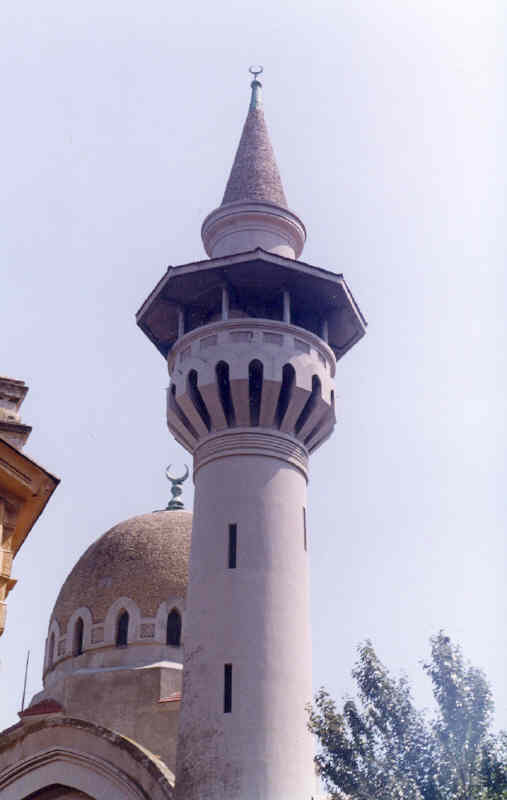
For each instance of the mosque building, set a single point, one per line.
(178, 655)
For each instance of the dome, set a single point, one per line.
(144, 558)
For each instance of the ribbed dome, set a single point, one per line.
(144, 558)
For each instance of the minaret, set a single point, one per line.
(251, 337)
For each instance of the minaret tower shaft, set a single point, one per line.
(251, 337)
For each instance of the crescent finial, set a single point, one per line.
(177, 480)
(175, 504)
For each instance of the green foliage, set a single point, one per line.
(382, 748)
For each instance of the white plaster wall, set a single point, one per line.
(255, 617)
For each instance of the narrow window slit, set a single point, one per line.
(284, 398)
(227, 688)
(224, 391)
(255, 376)
(233, 546)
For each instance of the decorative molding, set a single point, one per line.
(147, 630)
(247, 442)
(13, 471)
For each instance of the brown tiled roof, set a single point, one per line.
(48, 706)
(144, 558)
(254, 174)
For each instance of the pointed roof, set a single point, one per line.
(254, 174)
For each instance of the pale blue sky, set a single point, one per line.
(388, 121)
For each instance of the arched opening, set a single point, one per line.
(51, 650)
(57, 791)
(196, 397)
(224, 391)
(288, 378)
(122, 629)
(310, 403)
(173, 636)
(255, 374)
(77, 647)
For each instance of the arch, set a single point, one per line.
(122, 629)
(255, 378)
(84, 758)
(310, 403)
(111, 622)
(284, 398)
(78, 638)
(196, 398)
(70, 641)
(173, 629)
(224, 392)
(59, 791)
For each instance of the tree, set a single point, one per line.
(382, 748)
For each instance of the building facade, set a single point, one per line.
(251, 339)
(178, 656)
(25, 487)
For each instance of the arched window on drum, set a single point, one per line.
(122, 629)
(173, 634)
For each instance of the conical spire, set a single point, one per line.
(254, 174)
(254, 212)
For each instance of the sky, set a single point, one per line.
(388, 121)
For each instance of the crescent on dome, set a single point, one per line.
(177, 481)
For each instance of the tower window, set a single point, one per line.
(78, 637)
(227, 688)
(305, 538)
(174, 628)
(122, 630)
(233, 546)
(224, 390)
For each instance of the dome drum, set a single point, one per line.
(136, 571)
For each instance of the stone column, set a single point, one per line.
(247, 613)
